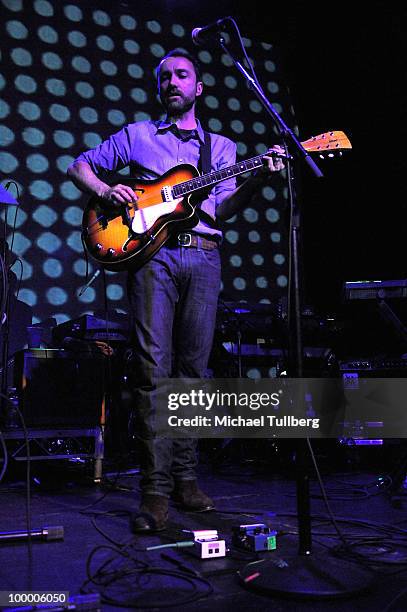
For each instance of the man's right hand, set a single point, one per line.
(118, 195)
(84, 178)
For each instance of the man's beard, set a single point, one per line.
(177, 106)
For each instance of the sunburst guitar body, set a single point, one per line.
(129, 236)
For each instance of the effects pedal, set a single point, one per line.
(257, 537)
(207, 544)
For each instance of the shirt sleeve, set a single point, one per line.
(111, 155)
(227, 157)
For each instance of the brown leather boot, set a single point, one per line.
(152, 516)
(190, 496)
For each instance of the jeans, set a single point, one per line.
(173, 300)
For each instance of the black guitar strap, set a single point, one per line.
(204, 167)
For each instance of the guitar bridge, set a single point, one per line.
(166, 193)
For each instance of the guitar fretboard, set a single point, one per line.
(215, 177)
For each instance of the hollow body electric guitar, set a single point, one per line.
(129, 236)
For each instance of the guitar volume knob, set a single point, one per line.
(111, 252)
(98, 247)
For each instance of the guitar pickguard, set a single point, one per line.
(144, 218)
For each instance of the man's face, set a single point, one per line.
(178, 87)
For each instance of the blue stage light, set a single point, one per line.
(282, 280)
(254, 236)
(116, 117)
(211, 102)
(84, 89)
(108, 68)
(88, 115)
(21, 57)
(68, 190)
(279, 259)
(272, 215)
(47, 34)
(73, 216)
(73, 13)
(28, 296)
(77, 39)
(81, 64)
(43, 8)
(74, 242)
(138, 95)
(128, 22)
(214, 124)
(52, 268)
(115, 292)
(239, 283)
(52, 60)
(44, 216)
(59, 112)
(8, 163)
(101, 18)
(48, 242)
(16, 29)
(232, 236)
(25, 84)
(63, 139)
(56, 296)
(105, 43)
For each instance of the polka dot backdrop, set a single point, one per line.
(71, 74)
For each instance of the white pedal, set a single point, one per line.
(207, 545)
(209, 549)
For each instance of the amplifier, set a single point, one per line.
(59, 388)
(263, 360)
(382, 366)
(375, 289)
(91, 327)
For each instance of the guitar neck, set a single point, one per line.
(329, 141)
(212, 178)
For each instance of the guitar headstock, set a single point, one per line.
(328, 144)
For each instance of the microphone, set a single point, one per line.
(200, 35)
(88, 284)
(46, 533)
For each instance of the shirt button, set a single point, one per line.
(180, 159)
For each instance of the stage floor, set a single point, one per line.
(246, 490)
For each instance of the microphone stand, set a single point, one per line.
(304, 574)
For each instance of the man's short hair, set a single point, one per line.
(188, 56)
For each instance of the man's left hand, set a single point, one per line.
(273, 163)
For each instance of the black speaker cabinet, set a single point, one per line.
(59, 388)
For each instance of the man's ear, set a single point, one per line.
(199, 88)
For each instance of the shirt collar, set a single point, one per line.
(164, 126)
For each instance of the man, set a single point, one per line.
(173, 297)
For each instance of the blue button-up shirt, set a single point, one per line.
(151, 148)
